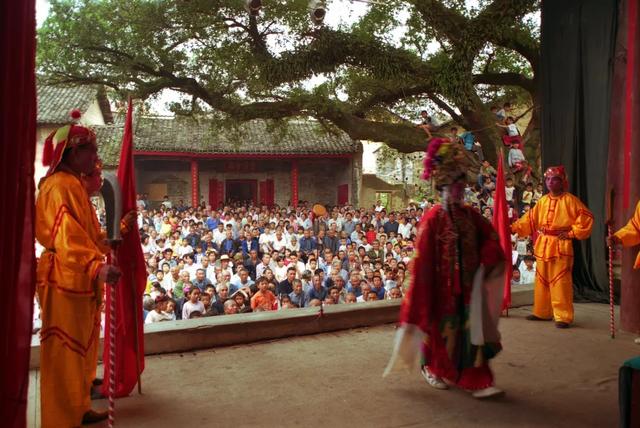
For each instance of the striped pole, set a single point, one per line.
(611, 309)
(112, 350)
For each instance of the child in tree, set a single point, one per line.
(513, 135)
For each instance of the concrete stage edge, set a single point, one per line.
(211, 332)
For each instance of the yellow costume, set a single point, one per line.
(70, 297)
(552, 215)
(629, 235)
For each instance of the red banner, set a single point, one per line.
(129, 331)
(502, 226)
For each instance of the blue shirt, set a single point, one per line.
(212, 223)
(355, 290)
(315, 294)
(307, 245)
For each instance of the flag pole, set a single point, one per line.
(136, 321)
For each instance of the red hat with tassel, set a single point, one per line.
(63, 138)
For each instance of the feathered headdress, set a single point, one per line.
(444, 162)
(65, 137)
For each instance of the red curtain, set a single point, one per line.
(17, 260)
(624, 151)
(343, 194)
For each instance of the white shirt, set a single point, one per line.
(509, 193)
(189, 307)
(218, 236)
(182, 250)
(405, 230)
(266, 242)
(155, 316)
(192, 270)
(527, 276)
(512, 130)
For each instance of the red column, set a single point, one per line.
(194, 182)
(294, 183)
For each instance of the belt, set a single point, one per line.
(554, 232)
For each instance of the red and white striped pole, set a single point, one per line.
(611, 308)
(112, 349)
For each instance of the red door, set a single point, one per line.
(267, 192)
(343, 194)
(215, 193)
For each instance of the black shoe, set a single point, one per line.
(92, 417)
(560, 324)
(535, 318)
(97, 382)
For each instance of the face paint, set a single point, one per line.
(554, 184)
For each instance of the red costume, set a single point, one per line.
(450, 311)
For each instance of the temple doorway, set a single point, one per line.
(243, 191)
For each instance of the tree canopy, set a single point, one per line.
(368, 77)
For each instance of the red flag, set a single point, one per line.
(501, 224)
(129, 290)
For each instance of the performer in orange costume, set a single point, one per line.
(629, 235)
(558, 218)
(70, 278)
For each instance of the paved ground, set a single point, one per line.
(553, 378)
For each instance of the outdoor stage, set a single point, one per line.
(552, 378)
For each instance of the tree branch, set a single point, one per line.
(505, 79)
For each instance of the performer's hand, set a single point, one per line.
(109, 274)
(564, 236)
(612, 241)
(130, 220)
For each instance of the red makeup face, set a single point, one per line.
(554, 184)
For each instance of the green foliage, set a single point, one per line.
(381, 67)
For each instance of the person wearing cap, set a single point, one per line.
(459, 252)
(558, 218)
(70, 277)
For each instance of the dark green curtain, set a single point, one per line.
(577, 46)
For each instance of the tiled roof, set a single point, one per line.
(190, 136)
(55, 102)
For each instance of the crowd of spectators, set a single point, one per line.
(241, 258)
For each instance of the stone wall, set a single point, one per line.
(317, 182)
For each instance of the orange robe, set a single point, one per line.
(629, 235)
(553, 293)
(70, 297)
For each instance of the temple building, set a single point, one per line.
(197, 162)
(193, 161)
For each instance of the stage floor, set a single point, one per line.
(553, 378)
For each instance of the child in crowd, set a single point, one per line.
(159, 311)
(527, 194)
(537, 194)
(509, 189)
(193, 304)
(264, 299)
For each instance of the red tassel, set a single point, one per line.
(47, 153)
